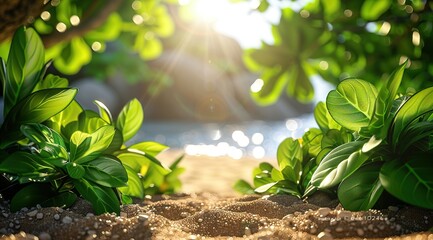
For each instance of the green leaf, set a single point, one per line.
(85, 147)
(243, 187)
(42, 194)
(372, 143)
(138, 160)
(90, 121)
(103, 199)
(411, 181)
(299, 85)
(372, 9)
(151, 148)
(323, 118)
(75, 171)
(69, 116)
(24, 65)
(419, 104)
(352, 103)
(312, 142)
(274, 81)
(361, 190)
(106, 171)
(104, 112)
(338, 164)
(49, 142)
(28, 167)
(52, 81)
(130, 119)
(290, 156)
(134, 187)
(415, 133)
(35, 108)
(384, 103)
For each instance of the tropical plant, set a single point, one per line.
(52, 150)
(339, 39)
(368, 141)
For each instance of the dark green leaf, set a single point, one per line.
(130, 119)
(361, 190)
(75, 170)
(419, 104)
(42, 194)
(352, 103)
(24, 65)
(410, 181)
(106, 171)
(312, 142)
(103, 199)
(28, 167)
(338, 164)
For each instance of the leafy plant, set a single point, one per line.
(335, 39)
(52, 150)
(369, 141)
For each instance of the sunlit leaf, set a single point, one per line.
(104, 112)
(150, 147)
(73, 56)
(339, 163)
(323, 118)
(130, 119)
(135, 187)
(352, 103)
(52, 81)
(24, 65)
(372, 9)
(289, 156)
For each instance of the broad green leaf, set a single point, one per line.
(68, 116)
(332, 139)
(42, 194)
(352, 103)
(415, 133)
(28, 167)
(106, 171)
(24, 65)
(323, 118)
(361, 190)
(75, 171)
(35, 108)
(138, 160)
(103, 199)
(243, 187)
(130, 119)
(372, 9)
(52, 81)
(372, 143)
(152, 148)
(419, 104)
(104, 112)
(90, 121)
(289, 156)
(85, 147)
(49, 142)
(338, 164)
(384, 103)
(410, 181)
(134, 186)
(312, 142)
(264, 188)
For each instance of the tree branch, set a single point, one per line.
(87, 24)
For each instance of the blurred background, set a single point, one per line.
(226, 78)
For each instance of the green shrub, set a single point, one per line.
(52, 150)
(368, 141)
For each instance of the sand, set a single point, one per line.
(210, 209)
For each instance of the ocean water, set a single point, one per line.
(258, 139)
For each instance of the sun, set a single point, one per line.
(237, 20)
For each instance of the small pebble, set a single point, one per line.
(143, 217)
(323, 212)
(360, 232)
(39, 215)
(67, 220)
(44, 236)
(325, 236)
(32, 213)
(56, 216)
(393, 208)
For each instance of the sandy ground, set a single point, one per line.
(210, 209)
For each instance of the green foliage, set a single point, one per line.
(369, 141)
(339, 39)
(54, 151)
